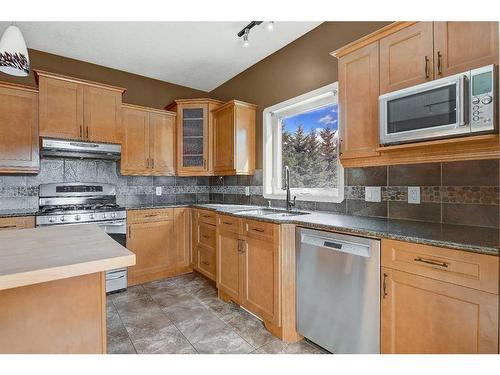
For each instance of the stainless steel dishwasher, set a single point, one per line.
(338, 291)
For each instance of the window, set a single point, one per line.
(302, 133)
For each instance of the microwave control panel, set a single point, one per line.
(482, 99)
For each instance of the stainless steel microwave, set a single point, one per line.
(458, 105)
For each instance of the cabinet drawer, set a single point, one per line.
(206, 235)
(258, 229)
(472, 270)
(205, 216)
(150, 215)
(229, 223)
(206, 262)
(21, 222)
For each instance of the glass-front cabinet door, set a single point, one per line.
(193, 139)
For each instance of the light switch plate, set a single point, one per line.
(414, 194)
(158, 190)
(373, 194)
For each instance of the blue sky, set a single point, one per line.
(316, 119)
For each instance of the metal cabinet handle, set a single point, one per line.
(440, 63)
(8, 226)
(81, 131)
(205, 236)
(241, 246)
(129, 232)
(432, 262)
(384, 286)
(426, 68)
(227, 223)
(152, 162)
(150, 215)
(87, 131)
(205, 263)
(258, 230)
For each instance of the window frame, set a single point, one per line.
(272, 146)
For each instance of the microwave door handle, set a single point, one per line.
(462, 110)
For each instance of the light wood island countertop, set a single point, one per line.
(32, 256)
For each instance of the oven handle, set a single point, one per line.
(463, 91)
(111, 224)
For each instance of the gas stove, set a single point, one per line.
(72, 203)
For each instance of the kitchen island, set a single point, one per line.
(52, 288)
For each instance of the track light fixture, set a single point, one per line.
(245, 32)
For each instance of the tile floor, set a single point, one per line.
(183, 315)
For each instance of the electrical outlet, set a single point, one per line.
(373, 194)
(414, 194)
(247, 190)
(158, 190)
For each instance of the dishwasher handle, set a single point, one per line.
(334, 244)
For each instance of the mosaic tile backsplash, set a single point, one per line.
(465, 193)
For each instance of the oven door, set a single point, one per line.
(435, 109)
(117, 230)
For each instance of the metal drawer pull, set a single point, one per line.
(150, 215)
(433, 262)
(8, 226)
(205, 236)
(227, 223)
(205, 263)
(384, 286)
(426, 62)
(440, 58)
(258, 230)
(115, 278)
(207, 216)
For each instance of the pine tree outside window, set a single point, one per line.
(302, 133)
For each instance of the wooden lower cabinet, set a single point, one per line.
(427, 315)
(204, 243)
(160, 240)
(18, 222)
(248, 266)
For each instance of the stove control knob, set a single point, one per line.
(51, 219)
(113, 215)
(77, 217)
(487, 99)
(475, 100)
(91, 217)
(104, 216)
(63, 218)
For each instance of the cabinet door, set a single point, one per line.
(424, 316)
(135, 144)
(180, 253)
(102, 114)
(224, 140)
(228, 263)
(358, 102)
(18, 130)
(406, 57)
(462, 46)
(260, 274)
(206, 262)
(61, 109)
(162, 150)
(192, 139)
(153, 244)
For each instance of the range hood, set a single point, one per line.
(81, 150)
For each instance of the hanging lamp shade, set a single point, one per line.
(14, 59)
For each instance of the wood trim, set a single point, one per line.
(370, 38)
(39, 73)
(288, 285)
(234, 102)
(104, 315)
(17, 222)
(148, 109)
(172, 105)
(18, 86)
(175, 271)
(440, 142)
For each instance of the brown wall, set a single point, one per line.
(140, 90)
(297, 68)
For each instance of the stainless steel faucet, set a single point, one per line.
(289, 203)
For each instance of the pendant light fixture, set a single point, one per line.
(14, 59)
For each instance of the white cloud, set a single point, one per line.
(327, 120)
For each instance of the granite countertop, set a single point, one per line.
(475, 239)
(53, 253)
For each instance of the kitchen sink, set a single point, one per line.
(270, 211)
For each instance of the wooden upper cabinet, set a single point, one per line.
(358, 102)
(162, 143)
(234, 139)
(102, 114)
(462, 46)
(19, 149)
(135, 143)
(194, 135)
(76, 109)
(148, 146)
(406, 57)
(61, 108)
